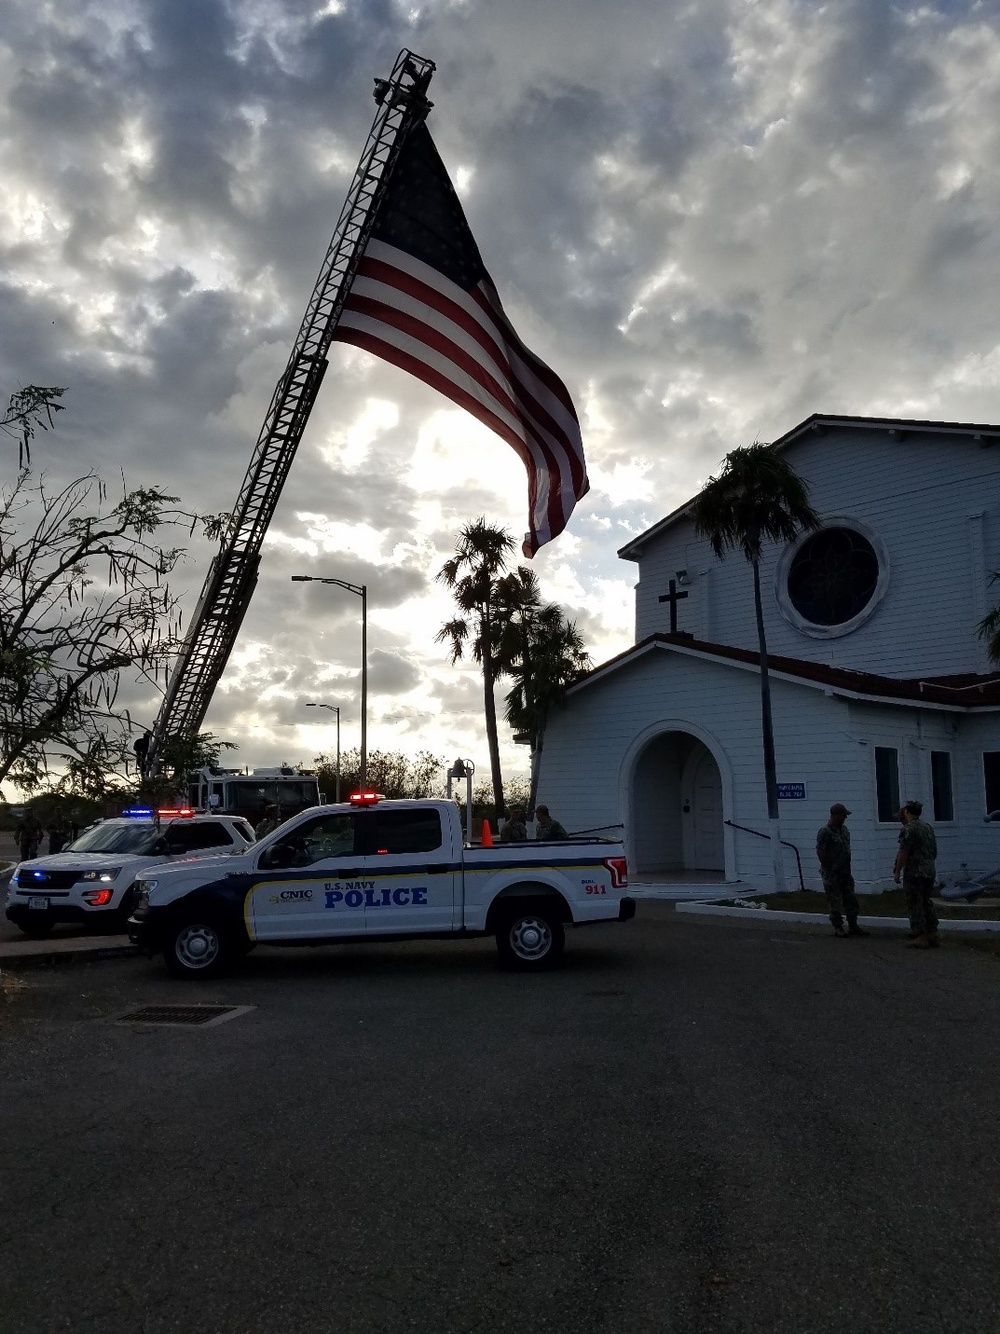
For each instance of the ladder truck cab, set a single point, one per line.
(249, 794)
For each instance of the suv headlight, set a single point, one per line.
(105, 877)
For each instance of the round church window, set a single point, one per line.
(833, 577)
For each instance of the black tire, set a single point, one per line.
(198, 947)
(530, 939)
(36, 928)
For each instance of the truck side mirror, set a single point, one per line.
(277, 855)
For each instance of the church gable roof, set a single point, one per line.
(896, 427)
(953, 693)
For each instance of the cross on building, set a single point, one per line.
(673, 597)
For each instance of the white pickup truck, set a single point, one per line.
(375, 869)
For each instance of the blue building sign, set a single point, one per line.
(791, 791)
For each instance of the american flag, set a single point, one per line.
(423, 300)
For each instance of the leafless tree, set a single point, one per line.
(83, 599)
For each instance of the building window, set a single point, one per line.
(887, 782)
(991, 777)
(944, 806)
(829, 582)
(833, 576)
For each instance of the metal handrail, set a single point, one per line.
(757, 834)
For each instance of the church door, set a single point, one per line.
(706, 849)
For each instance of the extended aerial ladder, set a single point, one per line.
(232, 577)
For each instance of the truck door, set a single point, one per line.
(307, 882)
(410, 871)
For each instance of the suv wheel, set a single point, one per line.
(37, 927)
(530, 939)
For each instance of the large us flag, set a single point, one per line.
(423, 300)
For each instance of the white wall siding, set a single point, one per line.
(602, 756)
(920, 495)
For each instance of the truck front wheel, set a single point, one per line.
(196, 948)
(530, 939)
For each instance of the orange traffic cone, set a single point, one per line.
(487, 840)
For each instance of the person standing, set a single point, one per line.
(833, 848)
(29, 835)
(59, 833)
(547, 829)
(514, 830)
(916, 865)
(271, 820)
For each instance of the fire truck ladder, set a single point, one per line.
(232, 575)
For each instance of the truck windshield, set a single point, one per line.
(137, 839)
(254, 796)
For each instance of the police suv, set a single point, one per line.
(92, 881)
(373, 869)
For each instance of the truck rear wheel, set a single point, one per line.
(530, 939)
(197, 947)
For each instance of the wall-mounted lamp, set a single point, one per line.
(682, 577)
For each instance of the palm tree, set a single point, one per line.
(543, 653)
(757, 498)
(989, 627)
(480, 558)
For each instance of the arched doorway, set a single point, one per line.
(677, 807)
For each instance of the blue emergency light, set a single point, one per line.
(138, 813)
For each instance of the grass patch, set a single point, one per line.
(892, 904)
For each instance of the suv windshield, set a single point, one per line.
(133, 838)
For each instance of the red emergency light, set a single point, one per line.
(175, 812)
(365, 798)
(98, 898)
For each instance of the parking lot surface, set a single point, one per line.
(689, 1127)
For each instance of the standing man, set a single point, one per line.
(916, 863)
(514, 830)
(271, 820)
(833, 848)
(29, 834)
(59, 832)
(547, 829)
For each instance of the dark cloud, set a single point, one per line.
(710, 219)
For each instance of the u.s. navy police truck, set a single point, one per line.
(375, 869)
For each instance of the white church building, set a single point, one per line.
(881, 688)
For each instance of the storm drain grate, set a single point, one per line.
(184, 1016)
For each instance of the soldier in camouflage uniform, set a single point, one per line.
(515, 830)
(916, 864)
(271, 820)
(833, 848)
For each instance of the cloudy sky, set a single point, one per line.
(711, 219)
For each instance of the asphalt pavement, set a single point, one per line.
(690, 1127)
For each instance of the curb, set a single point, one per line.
(42, 954)
(816, 919)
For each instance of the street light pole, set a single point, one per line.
(361, 591)
(334, 708)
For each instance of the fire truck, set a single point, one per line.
(249, 793)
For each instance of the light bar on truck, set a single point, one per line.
(366, 798)
(175, 812)
(138, 813)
